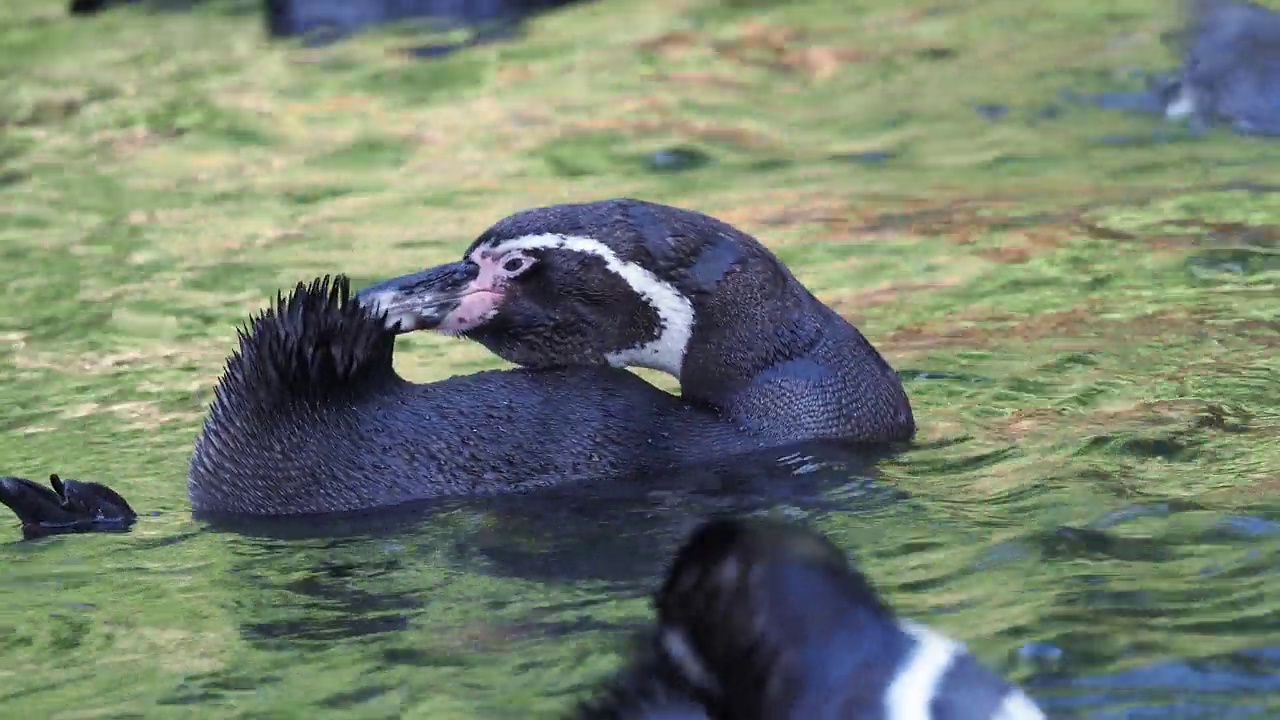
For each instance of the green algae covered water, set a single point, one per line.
(1088, 329)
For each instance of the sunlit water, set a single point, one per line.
(1089, 507)
(496, 608)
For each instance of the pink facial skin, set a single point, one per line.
(483, 296)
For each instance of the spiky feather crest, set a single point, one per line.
(314, 342)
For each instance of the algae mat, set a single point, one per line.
(1088, 330)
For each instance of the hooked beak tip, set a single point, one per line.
(421, 301)
(399, 313)
(389, 306)
(376, 302)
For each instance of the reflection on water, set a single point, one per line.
(506, 606)
(607, 532)
(1233, 686)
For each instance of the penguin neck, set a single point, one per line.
(746, 329)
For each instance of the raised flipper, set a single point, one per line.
(72, 506)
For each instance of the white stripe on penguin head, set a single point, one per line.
(675, 311)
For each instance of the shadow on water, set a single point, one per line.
(93, 7)
(1233, 686)
(576, 555)
(500, 597)
(618, 533)
(446, 588)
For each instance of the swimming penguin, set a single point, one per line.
(630, 283)
(309, 416)
(1230, 67)
(762, 620)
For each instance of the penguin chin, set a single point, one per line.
(472, 311)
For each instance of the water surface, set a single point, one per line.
(1088, 331)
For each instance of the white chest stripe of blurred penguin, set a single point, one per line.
(675, 311)
(918, 683)
(680, 652)
(1017, 706)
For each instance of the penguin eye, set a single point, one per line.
(515, 264)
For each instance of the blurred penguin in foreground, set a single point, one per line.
(1230, 67)
(759, 620)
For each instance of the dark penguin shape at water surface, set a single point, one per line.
(1230, 73)
(67, 506)
(310, 417)
(1231, 67)
(630, 283)
(761, 620)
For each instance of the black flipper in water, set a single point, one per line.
(71, 506)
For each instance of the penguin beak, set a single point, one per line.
(422, 300)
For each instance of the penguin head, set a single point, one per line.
(730, 620)
(620, 282)
(769, 617)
